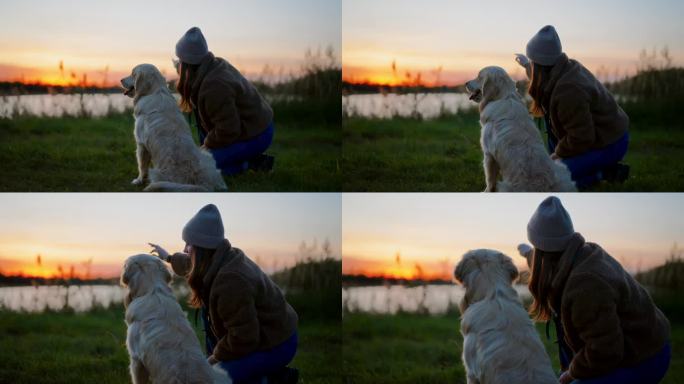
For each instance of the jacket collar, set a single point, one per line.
(222, 256)
(205, 66)
(567, 261)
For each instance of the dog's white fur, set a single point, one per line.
(160, 341)
(511, 143)
(500, 343)
(164, 141)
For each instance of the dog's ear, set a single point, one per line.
(148, 79)
(462, 269)
(509, 267)
(495, 85)
(467, 274)
(142, 81)
(129, 279)
(490, 89)
(128, 271)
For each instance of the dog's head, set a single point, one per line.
(144, 80)
(480, 271)
(492, 83)
(141, 273)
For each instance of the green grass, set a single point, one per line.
(90, 348)
(423, 349)
(444, 155)
(63, 348)
(81, 154)
(401, 349)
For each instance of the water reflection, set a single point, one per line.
(91, 105)
(387, 106)
(86, 105)
(428, 299)
(77, 298)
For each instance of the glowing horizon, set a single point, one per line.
(463, 37)
(434, 231)
(70, 229)
(88, 37)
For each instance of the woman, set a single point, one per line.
(609, 330)
(586, 128)
(251, 331)
(235, 123)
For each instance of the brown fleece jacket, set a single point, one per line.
(609, 319)
(229, 107)
(247, 310)
(584, 116)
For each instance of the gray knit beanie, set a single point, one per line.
(192, 47)
(545, 47)
(550, 228)
(205, 229)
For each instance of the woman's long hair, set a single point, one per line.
(187, 72)
(543, 269)
(540, 75)
(201, 261)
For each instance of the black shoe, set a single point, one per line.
(616, 173)
(262, 163)
(286, 375)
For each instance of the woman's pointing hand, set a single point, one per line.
(159, 252)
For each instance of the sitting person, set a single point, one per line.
(586, 127)
(251, 329)
(609, 330)
(234, 122)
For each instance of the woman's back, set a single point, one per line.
(607, 316)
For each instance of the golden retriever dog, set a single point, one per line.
(163, 139)
(500, 343)
(511, 143)
(161, 343)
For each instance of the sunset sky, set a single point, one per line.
(435, 230)
(464, 36)
(35, 35)
(68, 229)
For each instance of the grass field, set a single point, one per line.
(444, 155)
(82, 155)
(90, 348)
(422, 349)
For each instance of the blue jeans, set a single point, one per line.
(234, 158)
(586, 168)
(251, 369)
(650, 371)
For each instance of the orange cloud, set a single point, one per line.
(399, 269)
(389, 77)
(56, 77)
(51, 269)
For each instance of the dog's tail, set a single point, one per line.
(168, 186)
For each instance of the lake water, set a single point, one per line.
(432, 299)
(80, 298)
(387, 106)
(93, 105)
(39, 298)
(90, 105)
